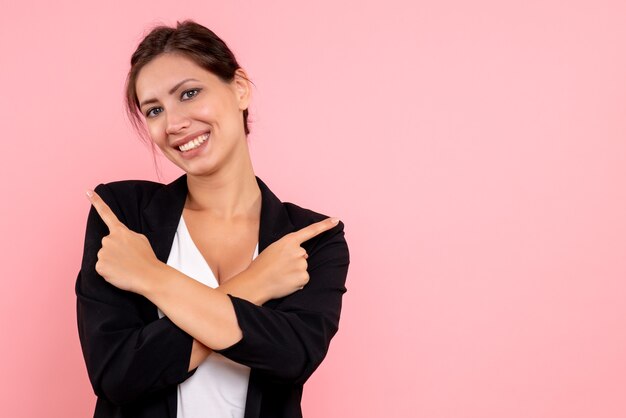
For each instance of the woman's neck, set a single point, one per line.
(225, 195)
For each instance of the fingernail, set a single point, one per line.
(89, 193)
(334, 220)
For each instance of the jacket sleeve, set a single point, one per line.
(127, 356)
(289, 342)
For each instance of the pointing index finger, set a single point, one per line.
(314, 229)
(103, 209)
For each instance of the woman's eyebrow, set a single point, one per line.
(172, 90)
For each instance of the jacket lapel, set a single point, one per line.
(161, 216)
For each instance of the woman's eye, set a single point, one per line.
(187, 92)
(149, 113)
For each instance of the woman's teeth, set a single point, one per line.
(195, 143)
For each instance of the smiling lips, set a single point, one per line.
(195, 143)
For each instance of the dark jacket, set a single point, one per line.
(136, 360)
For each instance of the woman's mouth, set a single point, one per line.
(195, 146)
(195, 143)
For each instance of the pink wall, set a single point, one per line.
(475, 151)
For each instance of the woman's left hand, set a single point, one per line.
(126, 257)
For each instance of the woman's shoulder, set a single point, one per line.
(125, 197)
(126, 192)
(129, 186)
(301, 217)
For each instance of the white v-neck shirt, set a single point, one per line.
(219, 386)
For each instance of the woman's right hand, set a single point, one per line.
(281, 268)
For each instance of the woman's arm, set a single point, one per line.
(208, 314)
(203, 312)
(243, 286)
(286, 343)
(126, 356)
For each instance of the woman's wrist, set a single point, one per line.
(245, 286)
(154, 278)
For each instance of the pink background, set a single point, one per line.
(476, 152)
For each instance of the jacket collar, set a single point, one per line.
(162, 214)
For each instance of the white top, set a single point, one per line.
(219, 386)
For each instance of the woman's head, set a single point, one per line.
(215, 100)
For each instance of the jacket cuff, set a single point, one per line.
(179, 342)
(243, 309)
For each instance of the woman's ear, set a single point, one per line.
(242, 88)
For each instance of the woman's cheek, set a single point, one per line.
(156, 134)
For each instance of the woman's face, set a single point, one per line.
(181, 101)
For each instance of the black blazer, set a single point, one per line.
(136, 360)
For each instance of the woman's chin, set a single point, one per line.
(197, 167)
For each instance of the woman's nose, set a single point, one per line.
(176, 121)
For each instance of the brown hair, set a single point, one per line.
(188, 38)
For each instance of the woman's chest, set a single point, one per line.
(227, 247)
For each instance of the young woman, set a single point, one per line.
(208, 296)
